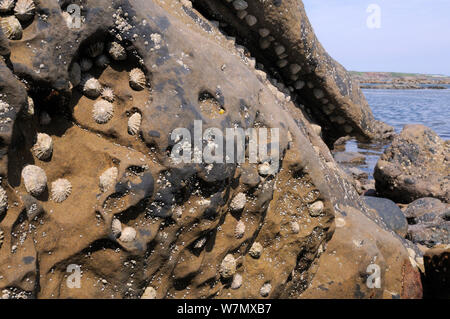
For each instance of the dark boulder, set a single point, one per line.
(416, 165)
(390, 213)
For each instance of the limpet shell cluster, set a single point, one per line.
(265, 290)
(316, 209)
(23, 11)
(237, 282)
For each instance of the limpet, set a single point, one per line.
(43, 148)
(35, 179)
(103, 111)
(61, 190)
(134, 123)
(137, 79)
(108, 178)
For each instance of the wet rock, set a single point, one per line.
(349, 158)
(416, 165)
(354, 259)
(390, 213)
(426, 210)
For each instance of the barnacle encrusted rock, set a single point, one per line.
(415, 165)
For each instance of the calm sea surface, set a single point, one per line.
(399, 107)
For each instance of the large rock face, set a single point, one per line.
(416, 165)
(149, 224)
(280, 36)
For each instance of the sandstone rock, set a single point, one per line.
(390, 213)
(353, 260)
(416, 165)
(171, 207)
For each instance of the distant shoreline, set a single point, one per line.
(400, 81)
(393, 86)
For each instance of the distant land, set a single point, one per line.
(401, 81)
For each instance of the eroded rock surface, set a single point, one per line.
(152, 227)
(416, 165)
(279, 35)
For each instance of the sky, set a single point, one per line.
(411, 36)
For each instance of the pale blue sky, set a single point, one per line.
(414, 35)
